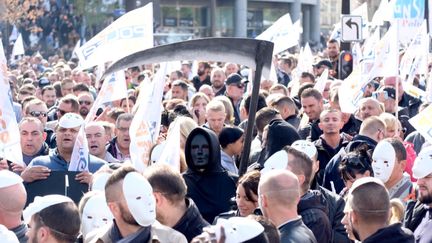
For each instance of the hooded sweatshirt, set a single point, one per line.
(280, 134)
(210, 187)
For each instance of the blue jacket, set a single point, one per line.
(55, 162)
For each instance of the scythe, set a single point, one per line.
(255, 54)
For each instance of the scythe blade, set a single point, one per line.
(255, 54)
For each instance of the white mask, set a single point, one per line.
(384, 158)
(139, 198)
(95, 214)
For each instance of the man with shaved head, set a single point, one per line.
(366, 217)
(12, 201)
(97, 140)
(279, 194)
(369, 107)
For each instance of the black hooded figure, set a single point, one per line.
(209, 185)
(280, 134)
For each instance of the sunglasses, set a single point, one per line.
(38, 113)
(82, 102)
(240, 86)
(61, 112)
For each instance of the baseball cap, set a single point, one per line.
(391, 92)
(306, 147)
(423, 163)
(43, 82)
(70, 120)
(234, 78)
(324, 62)
(40, 203)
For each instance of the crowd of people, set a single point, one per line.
(315, 173)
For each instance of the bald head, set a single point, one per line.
(281, 188)
(12, 205)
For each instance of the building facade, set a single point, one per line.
(178, 20)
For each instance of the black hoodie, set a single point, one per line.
(280, 134)
(390, 234)
(212, 187)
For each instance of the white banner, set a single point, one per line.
(387, 55)
(409, 15)
(145, 125)
(422, 123)
(113, 88)
(171, 153)
(130, 33)
(10, 147)
(282, 33)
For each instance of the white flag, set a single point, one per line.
(387, 59)
(145, 125)
(18, 48)
(113, 88)
(351, 90)
(321, 81)
(422, 123)
(171, 152)
(415, 57)
(130, 33)
(10, 147)
(282, 33)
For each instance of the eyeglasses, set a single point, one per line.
(240, 86)
(38, 113)
(82, 102)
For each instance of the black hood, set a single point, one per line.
(360, 140)
(280, 134)
(214, 164)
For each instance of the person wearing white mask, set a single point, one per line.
(94, 212)
(389, 161)
(129, 197)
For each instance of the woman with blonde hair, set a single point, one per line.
(197, 107)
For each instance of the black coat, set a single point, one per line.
(191, 223)
(414, 213)
(211, 187)
(296, 231)
(314, 212)
(390, 234)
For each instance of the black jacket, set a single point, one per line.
(411, 103)
(326, 153)
(336, 205)
(314, 212)
(191, 223)
(211, 187)
(296, 231)
(111, 148)
(311, 131)
(414, 213)
(352, 127)
(391, 234)
(331, 172)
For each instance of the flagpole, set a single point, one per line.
(127, 104)
(397, 71)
